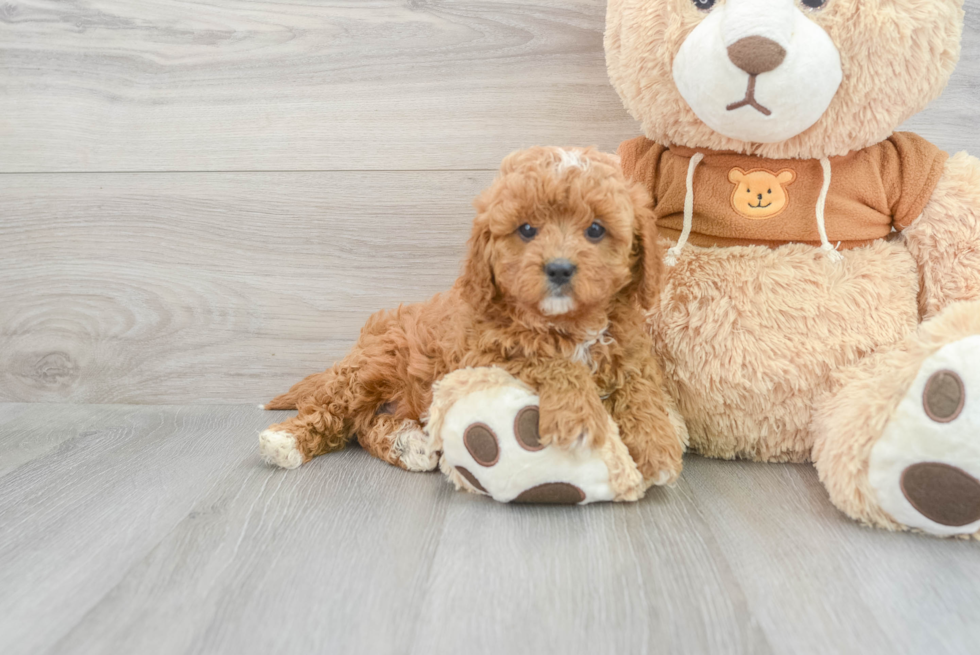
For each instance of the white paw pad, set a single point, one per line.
(925, 468)
(490, 445)
(279, 448)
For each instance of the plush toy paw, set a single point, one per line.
(487, 424)
(925, 468)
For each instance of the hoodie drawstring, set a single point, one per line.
(674, 253)
(825, 244)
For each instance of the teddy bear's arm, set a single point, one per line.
(945, 239)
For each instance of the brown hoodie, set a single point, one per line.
(744, 200)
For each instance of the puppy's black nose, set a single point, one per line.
(559, 271)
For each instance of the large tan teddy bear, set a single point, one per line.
(821, 296)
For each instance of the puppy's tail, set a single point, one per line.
(284, 401)
(305, 388)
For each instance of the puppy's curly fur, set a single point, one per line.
(576, 335)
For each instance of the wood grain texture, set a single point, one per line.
(159, 530)
(818, 582)
(644, 578)
(75, 519)
(112, 85)
(178, 288)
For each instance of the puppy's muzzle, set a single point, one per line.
(559, 272)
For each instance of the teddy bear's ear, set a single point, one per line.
(736, 175)
(786, 176)
(647, 256)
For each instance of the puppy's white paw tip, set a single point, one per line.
(279, 448)
(412, 445)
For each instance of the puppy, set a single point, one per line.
(563, 261)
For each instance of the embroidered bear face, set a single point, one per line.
(760, 194)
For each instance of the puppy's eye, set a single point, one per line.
(705, 5)
(814, 4)
(527, 232)
(595, 232)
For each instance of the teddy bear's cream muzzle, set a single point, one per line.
(759, 71)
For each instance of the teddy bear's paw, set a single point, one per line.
(413, 448)
(491, 445)
(925, 468)
(279, 448)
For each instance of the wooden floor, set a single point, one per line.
(202, 201)
(129, 529)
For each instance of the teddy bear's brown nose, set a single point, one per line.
(756, 54)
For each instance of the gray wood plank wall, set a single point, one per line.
(201, 202)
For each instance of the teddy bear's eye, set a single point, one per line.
(814, 4)
(769, 191)
(705, 5)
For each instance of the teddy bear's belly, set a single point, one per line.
(751, 337)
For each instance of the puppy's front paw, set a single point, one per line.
(567, 426)
(279, 448)
(413, 449)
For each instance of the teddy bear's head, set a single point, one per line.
(779, 78)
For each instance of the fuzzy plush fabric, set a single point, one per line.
(850, 422)
(750, 337)
(896, 57)
(945, 240)
(862, 361)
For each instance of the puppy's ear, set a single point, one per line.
(476, 284)
(647, 256)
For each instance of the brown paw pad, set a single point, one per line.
(526, 429)
(552, 493)
(471, 478)
(944, 396)
(481, 443)
(942, 493)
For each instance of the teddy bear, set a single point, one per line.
(821, 301)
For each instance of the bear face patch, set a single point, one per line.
(760, 194)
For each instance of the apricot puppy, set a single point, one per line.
(563, 259)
